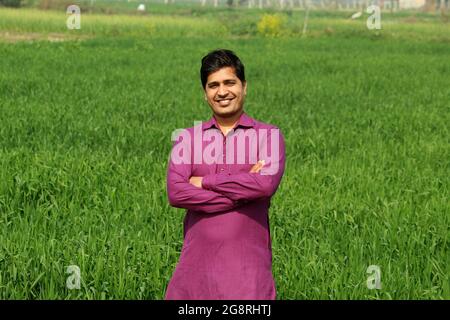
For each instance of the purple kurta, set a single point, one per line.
(227, 251)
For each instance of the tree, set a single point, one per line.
(11, 3)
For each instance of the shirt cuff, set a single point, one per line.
(209, 181)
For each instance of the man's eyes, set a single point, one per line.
(227, 84)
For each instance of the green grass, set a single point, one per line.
(85, 138)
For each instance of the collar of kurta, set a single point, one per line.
(244, 121)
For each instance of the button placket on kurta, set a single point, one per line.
(224, 167)
(224, 148)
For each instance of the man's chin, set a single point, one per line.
(225, 112)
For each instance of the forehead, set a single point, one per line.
(222, 74)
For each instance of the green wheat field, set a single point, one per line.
(86, 118)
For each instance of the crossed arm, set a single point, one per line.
(197, 181)
(220, 192)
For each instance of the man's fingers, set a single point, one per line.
(260, 165)
(254, 168)
(257, 166)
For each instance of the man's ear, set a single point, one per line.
(245, 87)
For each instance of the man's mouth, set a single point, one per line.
(224, 102)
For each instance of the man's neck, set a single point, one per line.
(228, 123)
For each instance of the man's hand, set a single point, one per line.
(257, 166)
(196, 181)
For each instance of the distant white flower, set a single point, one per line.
(356, 15)
(141, 7)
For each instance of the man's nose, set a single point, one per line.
(222, 91)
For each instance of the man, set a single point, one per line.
(227, 251)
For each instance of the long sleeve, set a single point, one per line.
(248, 186)
(182, 194)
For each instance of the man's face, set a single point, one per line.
(225, 92)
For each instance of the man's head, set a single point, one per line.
(223, 79)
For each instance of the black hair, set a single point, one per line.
(219, 59)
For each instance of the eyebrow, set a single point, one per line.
(224, 81)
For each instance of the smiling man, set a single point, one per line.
(227, 250)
